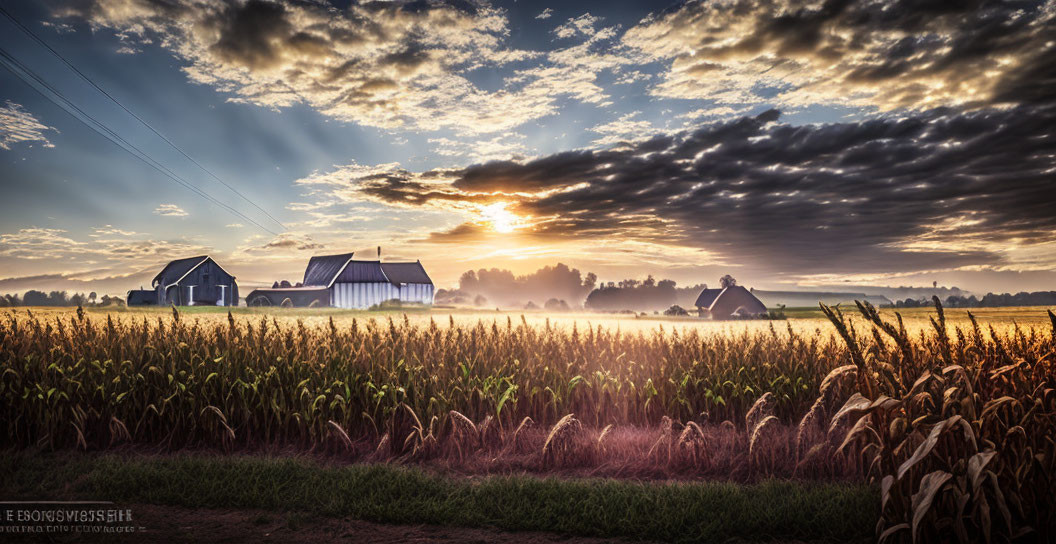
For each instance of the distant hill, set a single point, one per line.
(805, 299)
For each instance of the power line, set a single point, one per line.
(89, 80)
(25, 74)
(15, 66)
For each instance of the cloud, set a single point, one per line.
(105, 244)
(291, 242)
(626, 128)
(170, 210)
(898, 194)
(584, 25)
(398, 64)
(283, 247)
(38, 243)
(110, 230)
(546, 14)
(504, 146)
(874, 53)
(573, 70)
(393, 65)
(19, 126)
(59, 28)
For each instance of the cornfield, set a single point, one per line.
(956, 426)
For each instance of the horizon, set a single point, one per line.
(811, 149)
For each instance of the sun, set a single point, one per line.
(499, 217)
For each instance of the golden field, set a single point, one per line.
(802, 321)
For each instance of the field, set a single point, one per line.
(944, 422)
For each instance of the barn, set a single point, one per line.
(729, 303)
(194, 281)
(343, 282)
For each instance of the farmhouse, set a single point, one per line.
(343, 282)
(194, 281)
(730, 302)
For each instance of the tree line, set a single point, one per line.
(990, 300)
(58, 298)
(561, 287)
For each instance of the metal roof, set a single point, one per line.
(323, 269)
(706, 297)
(406, 272)
(326, 270)
(177, 269)
(361, 272)
(734, 298)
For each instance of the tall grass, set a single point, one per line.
(955, 424)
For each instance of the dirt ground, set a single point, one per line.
(166, 524)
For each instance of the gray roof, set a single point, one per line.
(361, 272)
(706, 297)
(406, 272)
(735, 298)
(323, 269)
(178, 269)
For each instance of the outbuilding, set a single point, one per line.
(729, 303)
(194, 281)
(344, 282)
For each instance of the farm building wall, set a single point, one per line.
(365, 295)
(205, 285)
(300, 297)
(142, 297)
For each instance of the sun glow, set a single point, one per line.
(501, 219)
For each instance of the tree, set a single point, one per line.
(58, 298)
(91, 297)
(556, 305)
(108, 300)
(480, 300)
(676, 310)
(35, 298)
(468, 281)
(727, 281)
(591, 281)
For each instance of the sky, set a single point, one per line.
(790, 144)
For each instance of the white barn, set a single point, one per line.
(362, 284)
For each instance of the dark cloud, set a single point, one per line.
(911, 53)
(893, 194)
(253, 34)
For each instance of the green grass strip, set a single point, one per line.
(681, 512)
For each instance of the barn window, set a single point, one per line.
(205, 278)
